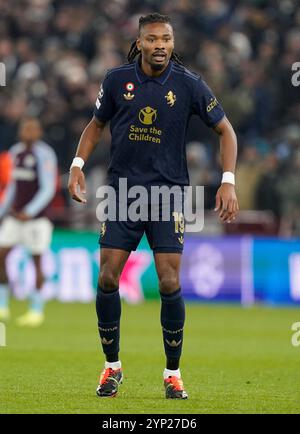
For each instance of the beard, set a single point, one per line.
(157, 66)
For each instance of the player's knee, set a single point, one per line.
(169, 283)
(108, 280)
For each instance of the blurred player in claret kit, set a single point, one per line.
(22, 213)
(148, 102)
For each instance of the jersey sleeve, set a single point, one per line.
(206, 105)
(104, 106)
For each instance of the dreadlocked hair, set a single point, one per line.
(148, 19)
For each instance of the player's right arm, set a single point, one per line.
(103, 112)
(87, 143)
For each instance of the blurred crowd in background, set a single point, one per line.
(56, 53)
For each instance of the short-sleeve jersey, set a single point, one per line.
(33, 182)
(148, 118)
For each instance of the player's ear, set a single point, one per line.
(138, 44)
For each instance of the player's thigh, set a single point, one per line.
(10, 232)
(112, 257)
(167, 265)
(112, 262)
(37, 235)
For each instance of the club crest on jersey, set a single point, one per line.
(130, 88)
(171, 98)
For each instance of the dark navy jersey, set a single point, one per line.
(148, 121)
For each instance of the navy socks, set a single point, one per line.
(108, 307)
(172, 321)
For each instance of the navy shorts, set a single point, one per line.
(164, 236)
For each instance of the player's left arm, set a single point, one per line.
(206, 105)
(226, 200)
(47, 175)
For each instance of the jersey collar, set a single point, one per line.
(161, 79)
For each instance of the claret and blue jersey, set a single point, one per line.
(148, 120)
(33, 182)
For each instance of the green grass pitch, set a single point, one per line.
(235, 360)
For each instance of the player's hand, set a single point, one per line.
(77, 181)
(22, 216)
(227, 203)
